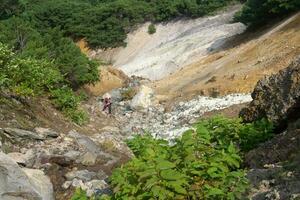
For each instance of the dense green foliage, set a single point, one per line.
(27, 76)
(246, 136)
(257, 12)
(32, 77)
(41, 60)
(9, 8)
(106, 23)
(49, 45)
(205, 163)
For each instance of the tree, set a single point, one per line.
(9, 8)
(257, 12)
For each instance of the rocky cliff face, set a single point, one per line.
(275, 171)
(277, 97)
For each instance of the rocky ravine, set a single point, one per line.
(41, 163)
(142, 115)
(51, 164)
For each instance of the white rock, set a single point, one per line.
(143, 99)
(171, 124)
(41, 182)
(19, 184)
(67, 185)
(174, 45)
(95, 184)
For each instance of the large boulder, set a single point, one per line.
(19, 184)
(93, 152)
(276, 98)
(40, 182)
(19, 135)
(143, 99)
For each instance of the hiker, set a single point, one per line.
(107, 103)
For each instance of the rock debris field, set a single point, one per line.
(169, 125)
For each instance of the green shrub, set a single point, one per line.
(245, 135)
(27, 77)
(31, 77)
(151, 29)
(79, 195)
(255, 133)
(9, 8)
(204, 163)
(193, 168)
(258, 12)
(64, 99)
(50, 45)
(80, 117)
(106, 23)
(3, 80)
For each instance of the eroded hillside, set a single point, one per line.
(207, 56)
(173, 45)
(237, 69)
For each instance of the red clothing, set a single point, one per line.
(107, 105)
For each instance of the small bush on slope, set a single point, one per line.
(203, 164)
(151, 29)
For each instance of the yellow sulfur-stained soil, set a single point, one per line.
(236, 69)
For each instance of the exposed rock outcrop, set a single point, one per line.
(277, 97)
(143, 99)
(22, 184)
(274, 164)
(110, 78)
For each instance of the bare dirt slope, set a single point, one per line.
(236, 69)
(174, 44)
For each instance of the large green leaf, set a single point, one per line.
(147, 173)
(214, 192)
(164, 164)
(171, 175)
(177, 186)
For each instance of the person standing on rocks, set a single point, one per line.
(107, 103)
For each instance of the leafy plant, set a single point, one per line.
(64, 98)
(27, 76)
(79, 195)
(258, 12)
(151, 29)
(80, 117)
(32, 77)
(205, 163)
(245, 135)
